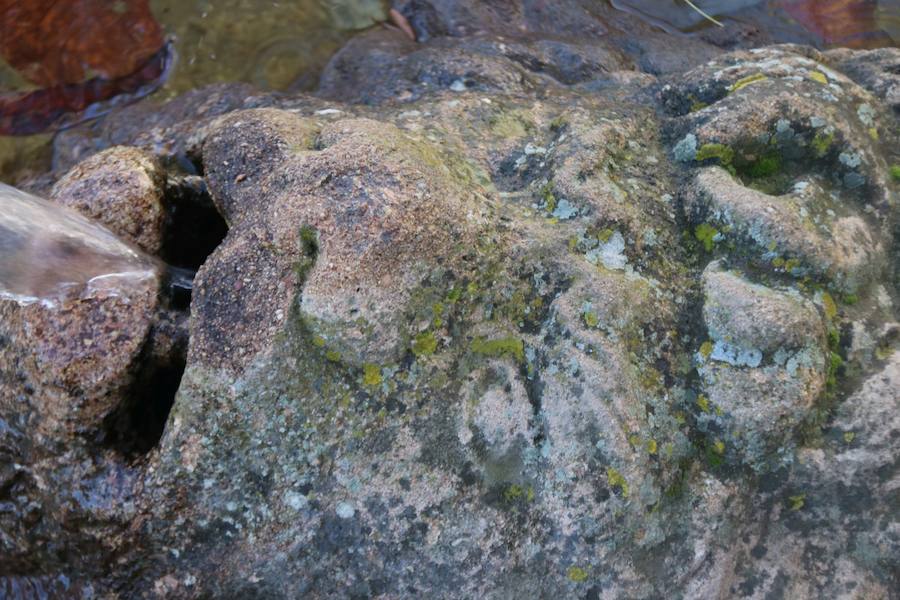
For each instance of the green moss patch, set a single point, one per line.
(724, 154)
(765, 166)
(705, 234)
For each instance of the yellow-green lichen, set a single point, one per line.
(425, 344)
(696, 104)
(371, 375)
(616, 480)
(605, 234)
(510, 347)
(576, 574)
(651, 446)
(834, 338)
(718, 447)
(829, 305)
(333, 355)
(591, 319)
(849, 436)
(883, 351)
(509, 124)
(895, 172)
(835, 362)
(791, 264)
(558, 123)
(745, 81)
(822, 142)
(796, 502)
(705, 234)
(437, 310)
(318, 341)
(548, 197)
(517, 492)
(818, 77)
(703, 403)
(706, 349)
(651, 379)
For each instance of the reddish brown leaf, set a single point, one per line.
(843, 22)
(26, 113)
(397, 18)
(54, 42)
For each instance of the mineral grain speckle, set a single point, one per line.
(514, 318)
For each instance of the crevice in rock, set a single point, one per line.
(194, 227)
(193, 230)
(137, 425)
(534, 388)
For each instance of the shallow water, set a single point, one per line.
(861, 23)
(280, 44)
(274, 44)
(284, 44)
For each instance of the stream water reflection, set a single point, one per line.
(284, 44)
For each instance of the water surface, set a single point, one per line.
(284, 44)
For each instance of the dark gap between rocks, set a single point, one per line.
(137, 425)
(194, 229)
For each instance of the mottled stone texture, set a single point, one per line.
(122, 188)
(511, 318)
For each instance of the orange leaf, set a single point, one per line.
(53, 42)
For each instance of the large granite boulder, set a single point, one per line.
(516, 318)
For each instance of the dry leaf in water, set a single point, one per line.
(52, 42)
(840, 22)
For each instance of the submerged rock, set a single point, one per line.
(564, 329)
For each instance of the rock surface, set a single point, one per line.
(122, 188)
(517, 318)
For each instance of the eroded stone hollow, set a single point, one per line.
(488, 316)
